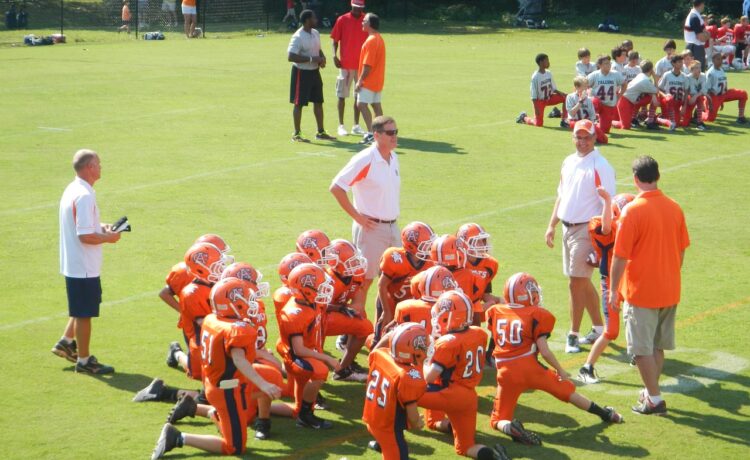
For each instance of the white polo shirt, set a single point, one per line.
(79, 215)
(579, 178)
(374, 182)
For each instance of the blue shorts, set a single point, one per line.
(84, 296)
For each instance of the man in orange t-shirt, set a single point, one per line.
(649, 249)
(371, 73)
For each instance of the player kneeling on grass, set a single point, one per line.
(394, 385)
(520, 330)
(697, 94)
(581, 107)
(673, 87)
(719, 92)
(228, 349)
(602, 230)
(544, 93)
(457, 365)
(640, 92)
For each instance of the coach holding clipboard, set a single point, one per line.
(373, 177)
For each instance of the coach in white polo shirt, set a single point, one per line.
(373, 177)
(577, 202)
(81, 237)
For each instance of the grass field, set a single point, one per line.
(194, 138)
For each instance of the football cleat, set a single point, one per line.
(521, 118)
(151, 393)
(185, 407)
(374, 446)
(742, 120)
(564, 124)
(555, 113)
(93, 366)
(588, 375)
(589, 338)
(324, 136)
(357, 368)
(500, 453)
(571, 346)
(341, 131)
(672, 126)
(310, 420)
(522, 435)
(357, 130)
(298, 138)
(367, 139)
(652, 125)
(262, 428)
(613, 416)
(648, 408)
(68, 351)
(635, 123)
(172, 361)
(321, 403)
(701, 126)
(168, 440)
(348, 375)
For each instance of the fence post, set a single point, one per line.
(137, 19)
(203, 22)
(61, 16)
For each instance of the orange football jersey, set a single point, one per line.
(218, 337)
(484, 271)
(461, 355)
(344, 288)
(415, 311)
(398, 267)
(390, 387)
(178, 278)
(466, 281)
(261, 326)
(299, 320)
(194, 305)
(515, 329)
(281, 297)
(603, 244)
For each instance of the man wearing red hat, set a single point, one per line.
(348, 34)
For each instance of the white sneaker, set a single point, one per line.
(571, 346)
(357, 130)
(342, 131)
(672, 126)
(588, 376)
(589, 338)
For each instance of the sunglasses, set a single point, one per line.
(389, 132)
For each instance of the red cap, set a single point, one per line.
(358, 3)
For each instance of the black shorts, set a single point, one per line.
(84, 296)
(740, 47)
(306, 86)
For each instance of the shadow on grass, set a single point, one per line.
(713, 426)
(120, 380)
(596, 440)
(429, 146)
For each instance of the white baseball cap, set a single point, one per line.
(358, 3)
(584, 125)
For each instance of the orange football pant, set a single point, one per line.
(302, 370)
(392, 443)
(232, 413)
(460, 404)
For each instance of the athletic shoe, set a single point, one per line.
(632, 361)
(201, 398)
(151, 393)
(499, 453)
(367, 139)
(522, 435)
(521, 118)
(701, 126)
(612, 416)
(342, 131)
(358, 131)
(589, 338)
(571, 346)
(310, 420)
(68, 351)
(93, 366)
(742, 120)
(341, 343)
(298, 138)
(359, 369)
(168, 440)
(374, 446)
(587, 375)
(635, 123)
(652, 125)
(324, 136)
(262, 428)
(672, 126)
(564, 124)
(185, 407)
(348, 375)
(172, 361)
(647, 408)
(321, 403)
(555, 113)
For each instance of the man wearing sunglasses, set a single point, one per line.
(373, 177)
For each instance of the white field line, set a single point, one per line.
(49, 128)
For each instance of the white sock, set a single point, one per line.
(66, 340)
(573, 333)
(599, 329)
(83, 360)
(655, 399)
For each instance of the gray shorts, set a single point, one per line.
(576, 247)
(647, 329)
(373, 243)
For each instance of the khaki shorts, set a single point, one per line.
(647, 329)
(373, 243)
(344, 82)
(369, 97)
(576, 247)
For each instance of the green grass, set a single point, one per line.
(194, 138)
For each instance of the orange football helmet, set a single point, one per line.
(219, 242)
(312, 242)
(232, 298)
(619, 202)
(310, 283)
(205, 262)
(247, 272)
(522, 289)
(416, 238)
(288, 263)
(410, 344)
(451, 312)
(344, 258)
(476, 240)
(448, 251)
(435, 282)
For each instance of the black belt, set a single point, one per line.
(382, 221)
(568, 224)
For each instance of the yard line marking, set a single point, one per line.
(48, 128)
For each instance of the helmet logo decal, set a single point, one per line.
(412, 236)
(307, 281)
(245, 274)
(310, 243)
(200, 258)
(235, 294)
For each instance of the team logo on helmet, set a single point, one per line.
(412, 236)
(234, 294)
(307, 281)
(310, 243)
(420, 343)
(245, 274)
(448, 283)
(444, 305)
(293, 264)
(200, 257)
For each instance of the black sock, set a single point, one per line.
(598, 410)
(485, 453)
(307, 408)
(168, 394)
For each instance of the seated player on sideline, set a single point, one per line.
(228, 348)
(544, 93)
(394, 385)
(520, 330)
(602, 230)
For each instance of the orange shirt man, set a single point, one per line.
(371, 73)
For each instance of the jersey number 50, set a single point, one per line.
(510, 334)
